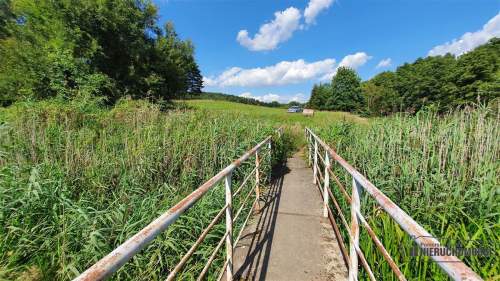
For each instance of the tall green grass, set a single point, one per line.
(77, 180)
(294, 123)
(441, 170)
(276, 115)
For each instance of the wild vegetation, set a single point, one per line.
(294, 123)
(111, 49)
(442, 170)
(279, 116)
(91, 150)
(77, 180)
(440, 82)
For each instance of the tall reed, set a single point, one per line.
(77, 180)
(441, 170)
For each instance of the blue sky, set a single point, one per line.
(276, 50)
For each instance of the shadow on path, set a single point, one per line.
(289, 239)
(256, 242)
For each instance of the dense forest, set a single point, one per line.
(108, 48)
(439, 82)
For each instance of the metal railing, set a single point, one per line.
(451, 265)
(109, 264)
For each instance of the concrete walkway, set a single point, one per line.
(289, 239)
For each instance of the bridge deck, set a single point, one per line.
(289, 239)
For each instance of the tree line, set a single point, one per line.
(231, 98)
(108, 48)
(440, 82)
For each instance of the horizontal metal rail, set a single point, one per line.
(109, 264)
(193, 248)
(451, 265)
(212, 258)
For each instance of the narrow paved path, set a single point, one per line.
(289, 239)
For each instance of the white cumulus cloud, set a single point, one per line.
(270, 34)
(353, 61)
(469, 40)
(270, 97)
(384, 63)
(264, 98)
(298, 98)
(282, 27)
(314, 8)
(274, 97)
(247, 95)
(282, 73)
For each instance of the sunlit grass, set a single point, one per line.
(292, 122)
(276, 115)
(76, 181)
(442, 170)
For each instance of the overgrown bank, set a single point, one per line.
(76, 180)
(442, 170)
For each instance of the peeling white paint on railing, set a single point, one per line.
(109, 264)
(451, 265)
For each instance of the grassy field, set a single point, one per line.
(275, 115)
(293, 122)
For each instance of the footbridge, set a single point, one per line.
(285, 226)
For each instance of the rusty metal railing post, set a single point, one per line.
(229, 227)
(354, 235)
(257, 181)
(326, 185)
(315, 164)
